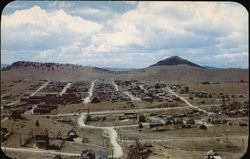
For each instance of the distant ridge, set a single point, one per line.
(211, 67)
(175, 60)
(181, 72)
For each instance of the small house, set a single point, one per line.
(243, 123)
(212, 155)
(95, 100)
(140, 118)
(156, 124)
(88, 154)
(72, 133)
(189, 122)
(216, 119)
(15, 115)
(42, 140)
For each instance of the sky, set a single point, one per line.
(125, 34)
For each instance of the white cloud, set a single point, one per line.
(93, 11)
(39, 26)
(243, 54)
(138, 37)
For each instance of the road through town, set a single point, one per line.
(112, 134)
(91, 89)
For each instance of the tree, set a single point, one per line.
(37, 123)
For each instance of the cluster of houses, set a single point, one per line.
(139, 150)
(106, 92)
(48, 98)
(33, 87)
(102, 92)
(158, 122)
(44, 140)
(157, 92)
(182, 120)
(44, 108)
(80, 88)
(132, 115)
(147, 92)
(87, 154)
(221, 119)
(201, 94)
(133, 86)
(54, 86)
(232, 109)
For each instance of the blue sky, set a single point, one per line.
(125, 34)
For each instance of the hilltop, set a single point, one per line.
(175, 60)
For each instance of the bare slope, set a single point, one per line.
(170, 73)
(52, 71)
(185, 73)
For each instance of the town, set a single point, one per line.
(112, 118)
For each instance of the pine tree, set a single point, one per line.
(37, 123)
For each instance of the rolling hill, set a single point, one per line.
(182, 71)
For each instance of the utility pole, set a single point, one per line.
(12, 127)
(103, 141)
(5, 146)
(112, 153)
(20, 139)
(242, 143)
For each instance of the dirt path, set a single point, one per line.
(3, 95)
(131, 96)
(193, 138)
(91, 89)
(31, 111)
(65, 88)
(12, 103)
(187, 102)
(115, 85)
(123, 111)
(117, 149)
(35, 150)
(39, 89)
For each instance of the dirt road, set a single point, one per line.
(187, 102)
(91, 89)
(131, 96)
(35, 150)
(117, 149)
(65, 88)
(39, 89)
(115, 85)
